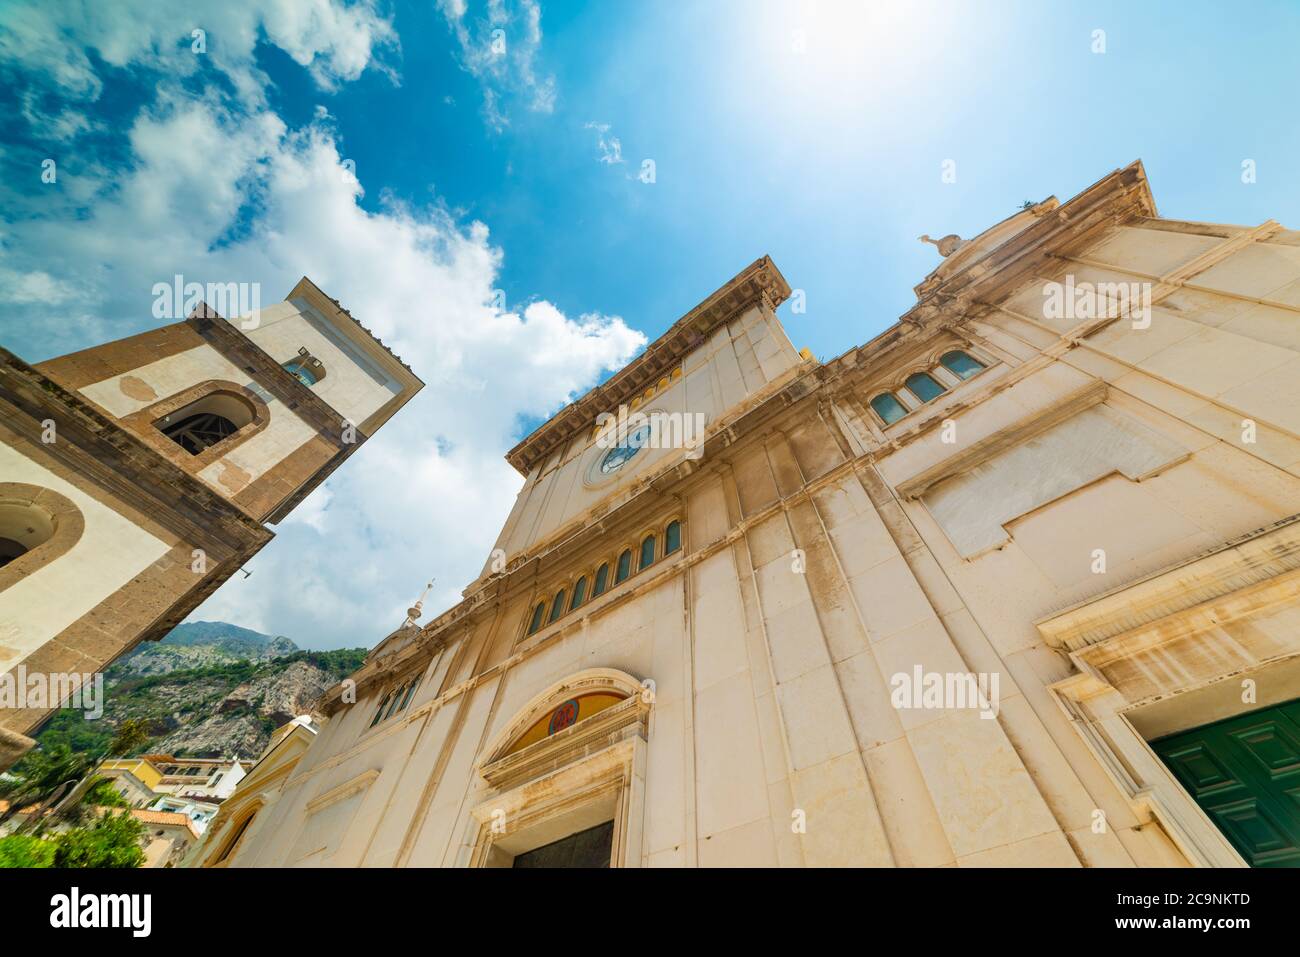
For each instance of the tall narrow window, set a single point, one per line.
(888, 408)
(579, 593)
(229, 847)
(647, 551)
(672, 537)
(379, 712)
(960, 364)
(557, 606)
(538, 613)
(397, 698)
(602, 579)
(624, 567)
(410, 693)
(923, 386)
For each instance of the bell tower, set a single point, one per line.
(136, 476)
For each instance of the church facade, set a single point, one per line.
(136, 476)
(1015, 583)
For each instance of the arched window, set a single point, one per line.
(960, 364)
(538, 612)
(206, 421)
(579, 593)
(602, 579)
(672, 537)
(229, 847)
(647, 551)
(557, 606)
(624, 567)
(37, 525)
(924, 386)
(888, 408)
(22, 528)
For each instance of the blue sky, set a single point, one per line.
(814, 132)
(831, 165)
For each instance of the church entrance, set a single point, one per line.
(589, 848)
(1244, 772)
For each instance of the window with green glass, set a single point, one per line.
(392, 708)
(380, 712)
(557, 606)
(672, 537)
(579, 593)
(624, 567)
(601, 580)
(647, 551)
(538, 613)
(960, 364)
(924, 386)
(410, 693)
(888, 408)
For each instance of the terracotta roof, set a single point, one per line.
(173, 818)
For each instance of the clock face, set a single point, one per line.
(620, 455)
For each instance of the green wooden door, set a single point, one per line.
(1245, 773)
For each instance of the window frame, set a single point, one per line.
(653, 541)
(620, 575)
(678, 547)
(574, 593)
(904, 394)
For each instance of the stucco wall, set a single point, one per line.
(111, 551)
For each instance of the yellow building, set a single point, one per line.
(1016, 582)
(144, 770)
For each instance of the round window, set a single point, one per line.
(621, 454)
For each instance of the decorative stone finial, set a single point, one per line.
(947, 245)
(416, 610)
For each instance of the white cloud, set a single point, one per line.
(498, 45)
(221, 189)
(609, 149)
(333, 41)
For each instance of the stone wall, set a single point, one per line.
(1022, 525)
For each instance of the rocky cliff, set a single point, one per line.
(213, 691)
(202, 644)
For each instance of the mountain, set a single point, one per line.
(201, 644)
(208, 689)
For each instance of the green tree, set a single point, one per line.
(132, 735)
(102, 794)
(113, 841)
(42, 777)
(24, 850)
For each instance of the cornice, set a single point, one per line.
(327, 305)
(1198, 588)
(99, 447)
(1123, 196)
(759, 282)
(1018, 432)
